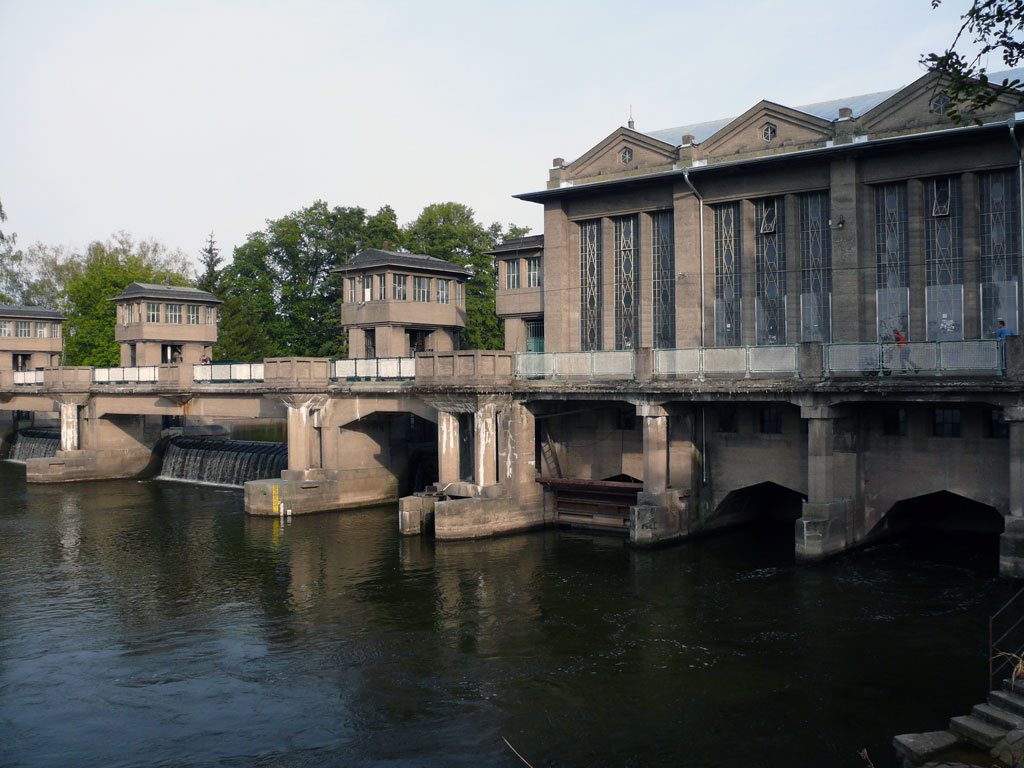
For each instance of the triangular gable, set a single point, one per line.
(913, 105)
(793, 127)
(604, 157)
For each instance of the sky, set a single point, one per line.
(172, 120)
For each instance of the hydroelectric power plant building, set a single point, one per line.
(791, 312)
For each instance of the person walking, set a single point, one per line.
(1002, 332)
(904, 348)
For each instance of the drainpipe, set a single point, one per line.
(700, 203)
(1011, 124)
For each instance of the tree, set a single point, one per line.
(46, 271)
(106, 269)
(449, 231)
(210, 259)
(994, 26)
(10, 261)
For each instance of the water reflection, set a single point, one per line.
(154, 623)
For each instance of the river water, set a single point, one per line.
(154, 624)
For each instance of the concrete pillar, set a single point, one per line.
(301, 430)
(826, 525)
(69, 426)
(485, 447)
(447, 448)
(655, 421)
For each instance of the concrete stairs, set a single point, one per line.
(986, 725)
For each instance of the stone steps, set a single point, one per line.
(997, 716)
(976, 731)
(1008, 701)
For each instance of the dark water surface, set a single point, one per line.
(153, 624)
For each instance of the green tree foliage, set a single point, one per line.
(105, 269)
(280, 298)
(46, 271)
(989, 26)
(210, 259)
(10, 263)
(450, 231)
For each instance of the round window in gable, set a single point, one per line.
(769, 131)
(626, 156)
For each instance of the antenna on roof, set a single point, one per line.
(630, 123)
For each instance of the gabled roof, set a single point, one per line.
(826, 110)
(530, 243)
(376, 257)
(19, 310)
(154, 291)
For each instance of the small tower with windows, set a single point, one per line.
(165, 324)
(397, 304)
(30, 337)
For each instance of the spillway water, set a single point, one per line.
(223, 462)
(34, 444)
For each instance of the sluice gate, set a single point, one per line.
(596, 505)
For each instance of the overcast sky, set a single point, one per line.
(173, 119)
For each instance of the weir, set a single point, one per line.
(222, 462)
(32, 444)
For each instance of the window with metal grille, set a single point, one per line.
(5, 327)
(193, 314)
(728, 281)
(534, 277)
(152, 312)
(443, 291)
(590, 284)
(815, 268)
(1000, 250)
(173, 314)
(55, 328)
(664, 263)
(421, 289)
(946, 422)
(382, 291)
(770, 259)
(944, 260)
(892, 273)
(22, 329)
(42, 330)
(771, 421)
(512, 274)
(399, 287)
(627, 283)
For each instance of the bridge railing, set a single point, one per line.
(465, 367)
(227, 372)
(979, 357)
(142, 374)
(27, 378)
(598, 364)
(777, 360)
(374, 368)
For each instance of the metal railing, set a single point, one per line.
(935, 358)
(1005, 639)
(25, 378)
(375, 368)
(618, 363)
(226, 372)
(780, 360)
(143, 374)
